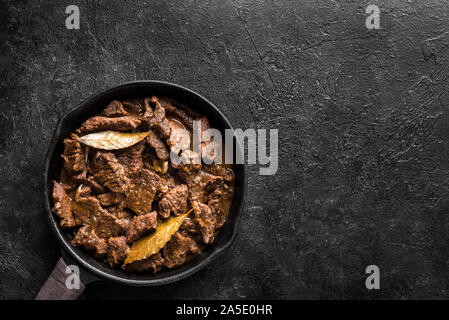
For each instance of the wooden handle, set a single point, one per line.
(55, 287)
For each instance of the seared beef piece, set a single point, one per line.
(141, 226)
(133, 107)
(98, 123)
(179, 137)
(87, 238)
(219, 201)
(205, 221)
(159, 146)
(176, 250)
(114, 109)
(153, 263)
(190, 162)
(109, 172)
(110, 199)
(89, 212)
(159, 121)
(131, 157)
(177, 109)
(117, 251)
(62, 206)
(198, 182)
(222, 171)
(174, 201)
(148, 112)
(123, 217)
(74, 156)
(141, 192)
(188, 227)
(89, 181)
(83, 191)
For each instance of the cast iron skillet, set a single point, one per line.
(93, 106)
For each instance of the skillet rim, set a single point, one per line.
(57, 231)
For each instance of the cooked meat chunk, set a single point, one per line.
(174, 201)
(218, 202)
(160, 148)
(117, 251)
(114, 109)
(110, 172)
(179, 137)
(133, 107)
(198, 182)
(142, 191)
(62, 206)
(131, 158)
(83, 191)
(96, 124)
(176, 250)
(177, 109)
(110, 199)
(141, 226)
(74, 156)
(153, 263)
(87, 238)
(159, 121)
(88, 211)
(205, 221)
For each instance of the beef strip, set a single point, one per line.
(98, 123)
(173, 107)
(114, 109)
(174, 201)
(110, 172)
(88, 211)
(142, 190)
(62, 206)
(110, 199)
(117, 251)
(141, 226)
(159, 121)
(74, 156)
(153, 263)
(83, 191)
(87, 180)
(205, 221)
(131, 157)
(219, 201)
(198, 182)
(176, 250)
(87, 238)
(159, 146)
(133, 107)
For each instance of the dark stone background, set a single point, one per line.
(363, 130)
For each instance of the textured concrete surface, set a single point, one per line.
(363, 129)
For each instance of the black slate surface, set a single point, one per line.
(363, 132)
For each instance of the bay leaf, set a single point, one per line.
(151, 244)
(112, 140)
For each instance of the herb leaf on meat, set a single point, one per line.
(151, 244)
(112, 140)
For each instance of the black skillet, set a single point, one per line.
(93, 269)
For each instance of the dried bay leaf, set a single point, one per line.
(112, 140)
(151, 244)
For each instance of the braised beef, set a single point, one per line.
(205, 221)
(114, 109)
(159, 146)
(74, 156)
(117, 251)
(131, 158)
(159, 121)
(87, 239)
(98, 123)
(110, 172)
(176, 250)
(118, 197)
(141, 226)
(62, 206)
(142, 190)
(174, 201)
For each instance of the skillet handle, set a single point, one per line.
(55, 287)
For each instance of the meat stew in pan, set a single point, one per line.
(125, 199)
